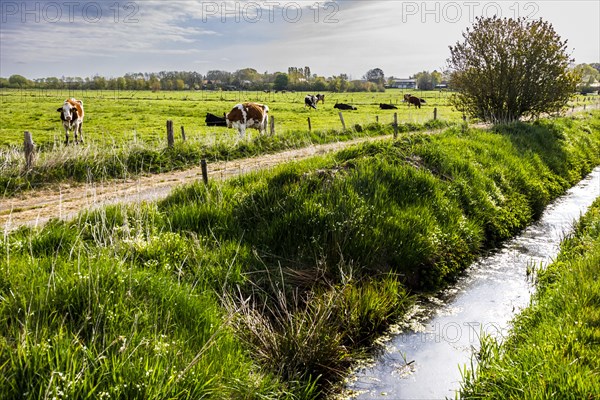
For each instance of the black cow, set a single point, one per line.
(387, 106)
(342, 106)
(320, 98)
(310, 101)
(213, 120)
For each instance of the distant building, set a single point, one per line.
(404, 84)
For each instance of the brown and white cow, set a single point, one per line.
(71, 115)
(248, 115)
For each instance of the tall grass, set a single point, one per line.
(316, 335)
(271, 284)
(109, 307)
(553, 350)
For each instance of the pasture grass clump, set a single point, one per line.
(553, 348)
(271, 284)
(315, 336)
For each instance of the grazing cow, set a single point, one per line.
(387, 106)
(342, 106)
(407, 99)
(415, 101)
(310, 101)
(321, 98)
(71, 115)
(248, 115)
(213, 120)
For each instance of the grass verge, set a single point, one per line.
(553, 350)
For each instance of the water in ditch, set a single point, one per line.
(423, 360)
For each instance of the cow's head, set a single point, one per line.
(68, 112)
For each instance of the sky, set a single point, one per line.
(80, 38)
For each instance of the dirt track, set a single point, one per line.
(65, 201)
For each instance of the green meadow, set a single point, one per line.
(270, 285)
(113, 118)
(125, 134)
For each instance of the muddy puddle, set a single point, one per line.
(424, 358)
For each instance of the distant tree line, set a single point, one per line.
(299, 79)
(296, 78)
(166, 80)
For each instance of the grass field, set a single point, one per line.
(269, 285)
(118, 117)
(126, 135)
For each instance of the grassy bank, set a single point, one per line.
(272, 284)
(553, 350)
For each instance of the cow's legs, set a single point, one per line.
(67, 136)
(80, 140)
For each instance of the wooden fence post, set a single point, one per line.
(395, 125)
(29, 150)
(342, 119)
(204, 171)
(170, 137)
(434, 113)
(182, 133)
(272, 125)
(309, 125)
